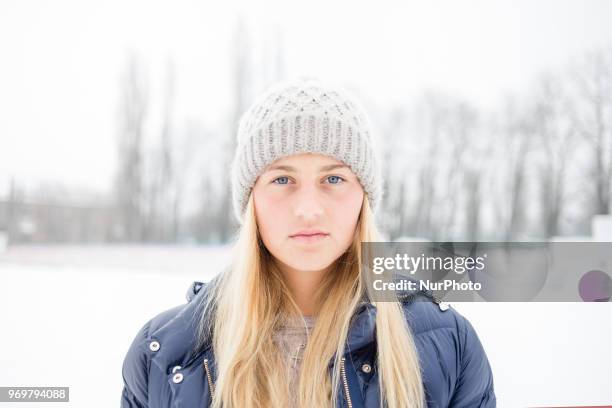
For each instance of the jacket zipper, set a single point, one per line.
(209, 378)
(346, 388)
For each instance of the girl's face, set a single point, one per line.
(307, 206)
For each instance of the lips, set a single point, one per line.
(309, 233)
(309, 236)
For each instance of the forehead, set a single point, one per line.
(306, 161)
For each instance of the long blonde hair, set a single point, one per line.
(249, 300)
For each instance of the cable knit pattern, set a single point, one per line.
(300, 116)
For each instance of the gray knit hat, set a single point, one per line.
(298, 116)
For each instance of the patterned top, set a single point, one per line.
(291, 338)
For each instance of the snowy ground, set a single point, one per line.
(70, 313)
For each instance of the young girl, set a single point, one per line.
(289, 322)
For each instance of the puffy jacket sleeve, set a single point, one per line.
(474, 386)
(135, 372)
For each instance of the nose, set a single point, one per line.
(308, 205)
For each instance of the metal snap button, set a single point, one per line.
(366, 368)
(177, 378)
(154, 345)
(175, 369)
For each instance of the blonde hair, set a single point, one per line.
(248, 302)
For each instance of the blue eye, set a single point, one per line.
(281, 178)
(335, 179)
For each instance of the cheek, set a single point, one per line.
(345, 215)
(271, 216)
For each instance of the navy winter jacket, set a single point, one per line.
(161, 369)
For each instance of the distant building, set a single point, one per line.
(601, 228)
(36, 222)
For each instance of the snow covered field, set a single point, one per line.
(69, 314)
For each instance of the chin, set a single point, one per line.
(310, 262)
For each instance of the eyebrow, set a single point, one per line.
(294, 170)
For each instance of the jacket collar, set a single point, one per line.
(179, 335)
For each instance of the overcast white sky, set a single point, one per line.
(60, 61)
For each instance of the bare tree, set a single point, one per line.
(477, 158)
(134, 101)
(593, 78)
(394, 205)
(554, 131)
(507, 169)
(431, 112)
(241, 93)
(459, 135)
(167, 182)
(473, 199)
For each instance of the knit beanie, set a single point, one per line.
(299, 116)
